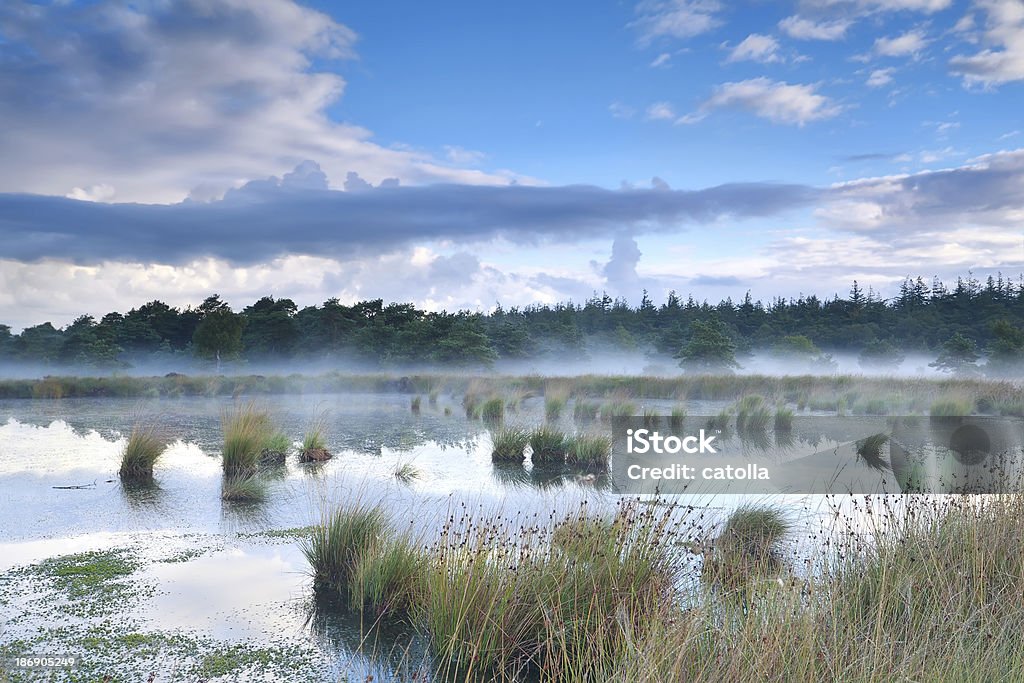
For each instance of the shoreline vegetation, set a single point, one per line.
(852, 394)
(927, 589)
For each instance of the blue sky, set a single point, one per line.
(780, 148)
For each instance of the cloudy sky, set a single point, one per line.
(459, 154)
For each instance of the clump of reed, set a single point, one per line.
(314, 441)
(493, 410)
(555, 400)
(650, 418)
(617, 408)
(783, 419)
(752, 414)
(584, 411)
(590, 451)
(341, 540)
(749, 546)
(415, 403)
(143, 448)
(508, 444)
(406, 472)
(247, 429)
(929, 591)
(951, 407)
(567, 603)
(548, 445)
(388, 577)
(432, 398)
(721, 420)
(275, 449)
(677, 418)
(243, 487)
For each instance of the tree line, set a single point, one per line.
(970, 327)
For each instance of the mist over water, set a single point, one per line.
(599, 362)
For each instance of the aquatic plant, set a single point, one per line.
(548, 445)
(341, 540)
(387, 579)
(591, 451)
(783, 419)
(246, 429)
(950, 407)
(508, 444)
(493, 410)
(144, 447)
(584, 411)
(752, 414)
(677, 418)
(314, 441)
(243, 487)
(415, 403)
(748, 546)
(555, 401)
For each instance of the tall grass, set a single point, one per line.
(406, 472)
(951, 407)
(783, 419)
(591, 451)
(752, 414)
(677, 418)
(584, 411)
(749, 546)
(243, 487)
(548, 445)
(341, 540)
(246, 430)
(493, 410)
(555, 401)
(415, 403)
(144, 447)
(508, 444)
(387, 578)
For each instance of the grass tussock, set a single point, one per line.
(748, 548)
(144, 447)
(508, 444)
(387, 579)
(584, 411)
(492, 410)
(783, 419)
(951, 407)
(590, 451)
(314, 441)
(501, 601)
(548, 445)
(247, 429)
(243, 487)
(341, 540)
(677, 418)
(415, 403)
(555, 400)
(752, 414)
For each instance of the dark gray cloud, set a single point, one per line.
(269, 218)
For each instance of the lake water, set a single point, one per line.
(215, 582)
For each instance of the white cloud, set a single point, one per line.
(773, 100)
(880, 78)
(461, 156)
(661, 60)
(158, 98)
(660, 111)
(1003, 62)
(909, 43)
(93, 193)
(756, 48)
(805, 29)
(675, 18)
(619, 110)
